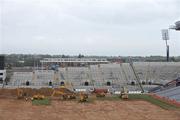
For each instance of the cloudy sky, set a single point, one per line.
(90, 27)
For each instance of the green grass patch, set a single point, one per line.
(152, 100)
(45, 101)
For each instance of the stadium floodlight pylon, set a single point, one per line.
(176, 26)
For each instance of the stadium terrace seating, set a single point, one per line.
(115, 75)
(171, 93)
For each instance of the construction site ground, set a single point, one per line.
(14, 109)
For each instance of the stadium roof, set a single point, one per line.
(73, 60)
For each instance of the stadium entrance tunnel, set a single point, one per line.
(50, 83)
(108, 83)
(178, 83)
(62, 83)
(143, 82)
(27, 83)
(150, 83)
(132, 83)
(86, 83)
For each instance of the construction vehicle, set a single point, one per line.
(38, 97)
(64, 93)
(83, 97)
(124, 93)
(21, 93)
(99, 92)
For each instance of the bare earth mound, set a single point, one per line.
(12, 109)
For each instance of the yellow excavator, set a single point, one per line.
(83, 97)
(22, 93)
(38, 97)
(124, 93)
(64, 93)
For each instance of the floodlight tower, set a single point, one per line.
(165, 36)
(176, 26)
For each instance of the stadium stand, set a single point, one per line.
(112, 74)
(171, 93)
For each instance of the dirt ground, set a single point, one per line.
(12, 109)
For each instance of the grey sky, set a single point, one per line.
(90, 27)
